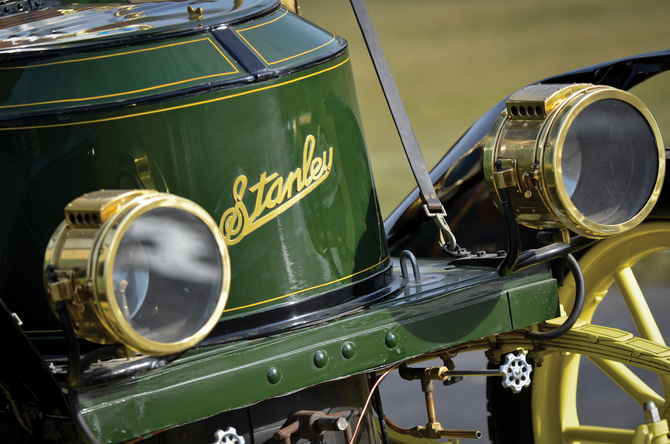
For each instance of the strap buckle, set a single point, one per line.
(441, 222)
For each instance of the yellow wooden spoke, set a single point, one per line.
(593, 434)
(555, 418)
(629, 382)
(637, 305)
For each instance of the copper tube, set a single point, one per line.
(427, 389)
(396, 428)
(367, 401)
(467, 434)
(430, 407)
(141, 438)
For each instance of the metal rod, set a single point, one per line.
(472, 373)
(440, 373)
(427, 389)
(466, 434)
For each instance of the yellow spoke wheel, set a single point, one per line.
(554, 406)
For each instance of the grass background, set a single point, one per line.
(454, 59)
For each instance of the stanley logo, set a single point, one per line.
(275, 193)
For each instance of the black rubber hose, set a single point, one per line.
(573, 265)
(377, 405)
(99, 353)
(544, 254)
(513, 237)
(126, 370)
(73, 374)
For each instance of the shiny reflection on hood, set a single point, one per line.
(61, 22)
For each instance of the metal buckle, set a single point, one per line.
(441, 222)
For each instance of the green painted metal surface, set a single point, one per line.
(283, 162)
(298, 43)
(527, 302)
(89, 79)
(448, 307)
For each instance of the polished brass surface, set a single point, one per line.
(508, 174)
(94, 209)
(82, 251)
(537, 101)
(513, 143)
(433, 429)
(555, 132)
(194, 14)
(143, 170)
(527, 140)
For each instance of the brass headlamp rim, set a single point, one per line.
(102, 266)
(84, 260)
(550, 151)
(534, 167)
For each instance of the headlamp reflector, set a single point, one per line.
(153, 274)
(609, 162)
(167, 275)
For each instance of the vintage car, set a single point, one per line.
(192, 248)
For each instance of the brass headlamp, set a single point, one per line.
(145, 269)
(578, 157)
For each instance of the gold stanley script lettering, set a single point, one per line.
(275, 193)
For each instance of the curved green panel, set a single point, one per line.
(315, 230)
(111, 75)
(283, 39)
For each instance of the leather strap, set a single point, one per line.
(432, 204)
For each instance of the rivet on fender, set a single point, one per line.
(274, 375)
(348, 350)
(321, 358)
(391, 339)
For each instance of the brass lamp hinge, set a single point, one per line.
(61, 287)
(507, 176)
(530, 180)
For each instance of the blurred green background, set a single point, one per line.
(454, 59)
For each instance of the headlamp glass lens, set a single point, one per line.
(167, 275)
(609, 162)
